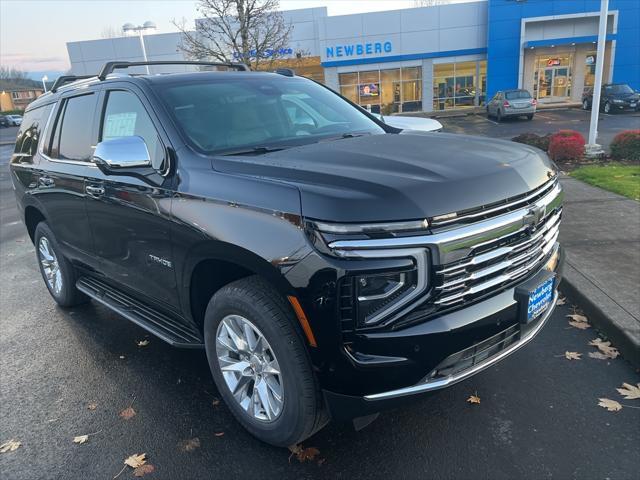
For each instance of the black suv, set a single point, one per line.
(329, 264)
(613, 97)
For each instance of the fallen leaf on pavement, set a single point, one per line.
(610, 405)
(473, 399)
(128, 413)
(143, 343)
(605, 347)
(561, 301)
(10, 446)
(216, 402)
(142, 470)
(572, 355)
(80, 439)
(576, 317)
(303, 454)
(580, 325)
(190, 445)
(92, 406)
(599, 356)
(219, 434)
(136, 460)
(629, 392)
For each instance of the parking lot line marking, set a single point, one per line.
(490, 121)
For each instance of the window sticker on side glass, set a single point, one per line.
(120, 125)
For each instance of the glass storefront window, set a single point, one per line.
(458, 85)
(384, 91)
(590, 69)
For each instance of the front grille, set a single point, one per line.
(475, 354)
(496, 263)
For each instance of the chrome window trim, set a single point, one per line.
(450, 380)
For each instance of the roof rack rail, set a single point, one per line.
(64, 79)
(109, 67)
(287, 72)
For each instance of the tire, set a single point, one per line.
(498, 116)
(585, 104)
(607, 107)
(251, 300)
(530, 116)
(62, 286)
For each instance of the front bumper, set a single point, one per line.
(497, 316)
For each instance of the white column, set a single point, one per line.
(592, 148)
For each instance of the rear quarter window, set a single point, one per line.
(31, 129)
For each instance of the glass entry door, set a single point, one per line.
(553, 78)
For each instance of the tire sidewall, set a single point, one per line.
(283, 430)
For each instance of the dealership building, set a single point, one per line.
(451, 56)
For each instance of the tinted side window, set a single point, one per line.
(31, 129)
(71, 138)
(125, 116)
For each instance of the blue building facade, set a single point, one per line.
(515, 26)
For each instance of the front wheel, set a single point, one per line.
(58, 273)
(259, 363)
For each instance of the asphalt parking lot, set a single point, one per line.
(538, 417)
(544, 122)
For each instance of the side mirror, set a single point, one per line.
(122, 152)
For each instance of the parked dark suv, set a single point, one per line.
(329, 264)
(613, 98)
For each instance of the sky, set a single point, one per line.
(34, 33)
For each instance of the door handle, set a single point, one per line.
(46, 182)
(94, 191)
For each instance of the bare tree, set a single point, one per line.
(111, 32)
(12, 74)
(430, 3)
(248, 31)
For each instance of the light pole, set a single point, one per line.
(44, 85)
(592, 148)
(140, 29)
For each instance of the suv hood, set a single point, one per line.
(392, 177)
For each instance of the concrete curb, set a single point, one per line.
(9, 142)
(616, 323)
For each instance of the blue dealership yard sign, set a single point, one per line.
(370, 48)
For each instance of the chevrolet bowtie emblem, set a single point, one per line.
(533, 216)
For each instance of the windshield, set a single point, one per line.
(224, 114)
(517, 94)
(619, 89)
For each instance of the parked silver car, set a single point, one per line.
(15, 120)
(512, 103)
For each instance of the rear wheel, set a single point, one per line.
(607, 107)
(259, 363)
(58, 273)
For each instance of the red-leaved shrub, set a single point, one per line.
(626, 145)
(566, 145)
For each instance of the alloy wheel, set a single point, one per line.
(50, 265)
(250, 368)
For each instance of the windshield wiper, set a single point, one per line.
(261, 150)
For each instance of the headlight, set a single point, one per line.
(377, 293)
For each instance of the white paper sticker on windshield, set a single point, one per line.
(120, 125)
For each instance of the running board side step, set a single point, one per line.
(168, 328)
